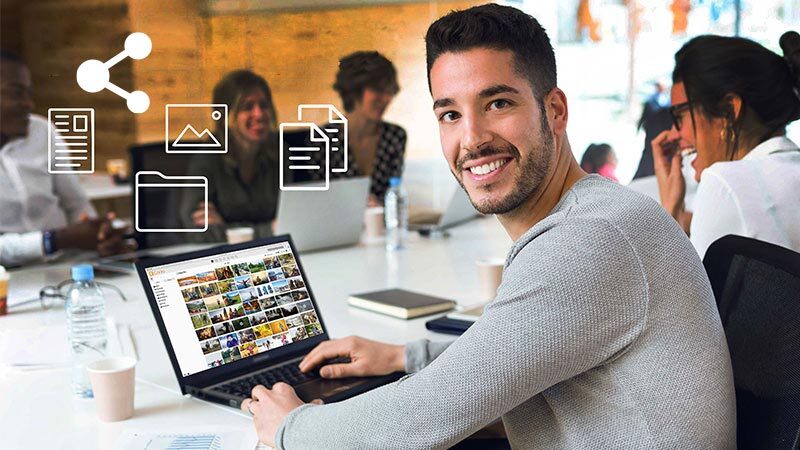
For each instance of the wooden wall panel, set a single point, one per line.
(55, 38)
(296, 51)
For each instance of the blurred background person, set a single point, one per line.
(243, 184)
(600, 159)
(655, 119)
(40, 213)
(367, 83)
(732, 100)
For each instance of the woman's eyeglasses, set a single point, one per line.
(49, 296)
(676, 113)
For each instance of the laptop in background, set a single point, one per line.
(458, 211)
(235, 316)
(324, 219)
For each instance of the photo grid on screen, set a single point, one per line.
(248, 307)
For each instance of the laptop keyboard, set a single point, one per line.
(287, 373)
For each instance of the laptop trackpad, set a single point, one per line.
(325, 389)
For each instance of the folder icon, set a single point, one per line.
(152, 192)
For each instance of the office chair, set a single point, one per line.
(757, 287)
(158, 208)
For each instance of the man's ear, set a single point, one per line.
(555, 105)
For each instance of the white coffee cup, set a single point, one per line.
(239, 235)
(373, 222)
(490, 274)
(113, 383)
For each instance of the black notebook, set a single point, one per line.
(400, 303)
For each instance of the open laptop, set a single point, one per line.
(324, 219)
(235, 316)
(459, 210)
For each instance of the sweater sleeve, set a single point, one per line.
(420, 353)
(571, 299)
(20, 248)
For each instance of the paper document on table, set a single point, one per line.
(195, 438)
(308, 161)
(48, 347)
(336, 129)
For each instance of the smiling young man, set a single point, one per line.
(603, 333)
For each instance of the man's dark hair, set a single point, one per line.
(498, 28)
(361, 70)
(8, 56)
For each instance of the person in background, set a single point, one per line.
(243, 184)
(41, 214)
(732, 100)
(600, 159)
(367, 83)
(655, 119)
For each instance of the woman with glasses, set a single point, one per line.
(732, 100)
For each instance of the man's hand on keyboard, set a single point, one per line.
(269, 407)
(366, 358)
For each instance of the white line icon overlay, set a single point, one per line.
(300, 160)
(73, 150)
(189, 139)
(94, 76)
(338, 137)
(175, 182)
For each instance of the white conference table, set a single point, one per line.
(39, 411)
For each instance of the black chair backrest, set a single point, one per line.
(757, 287)
(158, 207)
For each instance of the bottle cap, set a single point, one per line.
(83, 272)
(394, 181)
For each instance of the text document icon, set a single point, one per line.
(335, 129)
(157, 195)
(196, 128)
(308, 160)
(70, 140)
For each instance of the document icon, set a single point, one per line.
(335, 129)
(188, 128)
(74, 151)
(307, 161)
(153, 193)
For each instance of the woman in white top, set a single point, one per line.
(732, 100)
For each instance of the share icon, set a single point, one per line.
(94, 75)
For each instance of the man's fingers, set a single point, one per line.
(259, 392)
(322, 352)
(340, 370)
(282, 388)
(245, 405)
(317, 401)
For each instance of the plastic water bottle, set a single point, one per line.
(396, 214)
(86, 326)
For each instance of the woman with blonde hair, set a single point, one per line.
(243, 184)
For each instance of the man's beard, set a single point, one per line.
(533, 170)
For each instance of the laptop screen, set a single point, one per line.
(222, 308)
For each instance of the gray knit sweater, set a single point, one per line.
(604, 334)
